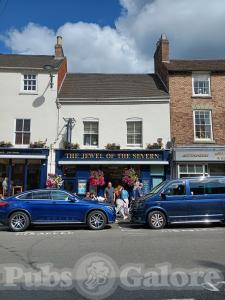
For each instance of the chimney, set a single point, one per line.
(58, 48)
(161, 56)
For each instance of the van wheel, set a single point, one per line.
(156, 219)
(19, 221)
(96, 220)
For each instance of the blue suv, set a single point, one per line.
(49, 206)
(186, 200)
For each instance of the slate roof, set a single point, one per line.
(18, 61)
(97, 86)
(196, 65)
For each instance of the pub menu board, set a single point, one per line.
(146, 186)
(82, 186)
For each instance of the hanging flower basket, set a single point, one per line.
(129, 177)
(54, 181)
(97, 178)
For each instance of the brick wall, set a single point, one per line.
(61, 73)
(183, 104)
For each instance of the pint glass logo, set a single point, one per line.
(96, 276)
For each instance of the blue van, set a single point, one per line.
(186, 200)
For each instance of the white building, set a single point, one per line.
(28, 87)
(40, 101)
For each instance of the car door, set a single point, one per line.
(207, 199)
(175, 201)
(66, 210)
(39, 204)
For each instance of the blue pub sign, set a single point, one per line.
(75, 166)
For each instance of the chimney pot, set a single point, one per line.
(58, 48)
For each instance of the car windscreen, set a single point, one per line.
(156, 189)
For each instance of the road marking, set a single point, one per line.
(54, 233)
(192, 230)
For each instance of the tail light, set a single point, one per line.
(3, 203)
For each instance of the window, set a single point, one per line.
(26, 196)
(59, 195)
(22, 134)
(201, 84)
(176, 189)
(197, 188)
(192, 170)
(203, 124)
(29, 83)
(134, 133)
(216, 186)
(42, 195)
(90, 133)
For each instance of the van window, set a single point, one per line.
(175, 189)
(197, 187)
(216, 186)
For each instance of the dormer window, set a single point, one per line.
(201, 84)
(29, 83)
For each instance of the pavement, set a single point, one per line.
(122, 245)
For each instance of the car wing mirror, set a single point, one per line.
(72, 199)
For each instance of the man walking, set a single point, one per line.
(109, 193)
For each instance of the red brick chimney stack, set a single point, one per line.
(161, 56)
(58, 48)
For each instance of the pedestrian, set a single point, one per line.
(120, 204)
(109, 193)
(125, 198)
(87, 196)
(5, 186)
(137, 191)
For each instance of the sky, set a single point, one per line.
(113, 36)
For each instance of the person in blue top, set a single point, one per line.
(125, 198)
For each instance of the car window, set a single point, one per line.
(59, 195)
(42, 195)
(25, 196)
(175, 189)
(197, 187)
(216, 186)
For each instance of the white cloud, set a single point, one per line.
(193, 27)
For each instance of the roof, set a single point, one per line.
(103, 86)
(20, 61)
(196, 65)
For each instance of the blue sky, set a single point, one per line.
(53, 13)
(113, 36)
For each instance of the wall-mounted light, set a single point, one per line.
(50, 69)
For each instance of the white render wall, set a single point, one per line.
(112, 121)
(39, 107)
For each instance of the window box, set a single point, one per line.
(71, 146)
(5, 144)
(112, 146)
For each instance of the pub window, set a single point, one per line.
(90, 133)
(22, 132)
(201, 84)
(203, 125)
(29, 83)
(134, 133)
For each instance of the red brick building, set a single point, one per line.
(197, 109)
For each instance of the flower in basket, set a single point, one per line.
(54, 181)
(97, 178)
(129, 177)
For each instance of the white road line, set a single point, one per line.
(44, 233)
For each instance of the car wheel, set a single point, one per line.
(19, 221)
(156, 219)
(96, 220)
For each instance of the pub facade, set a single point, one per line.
(115, 123)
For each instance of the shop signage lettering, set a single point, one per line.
(212, 154)
(111, 156)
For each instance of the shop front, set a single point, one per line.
(22, 169)
(77, 166)
(199, 161)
